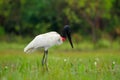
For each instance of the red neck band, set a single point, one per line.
(63, 38)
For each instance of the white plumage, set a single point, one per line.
(43, 41)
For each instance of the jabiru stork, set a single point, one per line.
(48, 40)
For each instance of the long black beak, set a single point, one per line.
(67, 33)
(69, 38)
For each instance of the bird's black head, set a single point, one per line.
(67, 33)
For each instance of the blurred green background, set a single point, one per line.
(95, 28)
(96, 21)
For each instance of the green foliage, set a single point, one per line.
(73, 18)
(103, 43)
(39, 28)
(24, 17)
(2, 32)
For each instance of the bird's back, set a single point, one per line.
(43, 41)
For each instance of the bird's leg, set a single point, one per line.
(43, 59)
(46, 52)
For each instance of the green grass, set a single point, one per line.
(64, 64)
(93, 65)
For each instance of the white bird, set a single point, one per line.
(48, 40)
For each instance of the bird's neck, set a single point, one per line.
(63, 35)
(63, 38)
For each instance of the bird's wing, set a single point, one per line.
(33, 45)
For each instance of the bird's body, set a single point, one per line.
(44, 41)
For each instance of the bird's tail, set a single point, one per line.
(28, 49)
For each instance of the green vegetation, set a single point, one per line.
(87, 18)
(95, 26)
(73, 66)
(64, 63)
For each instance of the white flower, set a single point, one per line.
(113, 62)
(95, 63)
(65, 60)
(6, 67)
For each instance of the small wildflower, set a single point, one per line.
(95, 63)
(113, 62)
(65, 60)
(6, 67)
